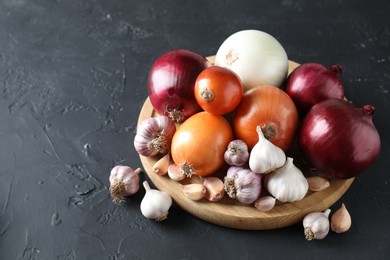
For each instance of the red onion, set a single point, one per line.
(311, 83)
(339, 139)
(171, 83)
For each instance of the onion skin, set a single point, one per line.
(311, 83)
(171, 83)
(339, 139)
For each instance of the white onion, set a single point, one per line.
(257, 58)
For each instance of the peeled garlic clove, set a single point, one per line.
(175, 173)
(265, 157)
(317, 183)
(155, 204)
(194, 191)
(161, 166)
(265, 203)
(214, 188)
(316, 225)
(124, 181)
(341, 220)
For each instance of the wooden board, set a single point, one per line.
(231, 213)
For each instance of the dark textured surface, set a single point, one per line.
(72, 81)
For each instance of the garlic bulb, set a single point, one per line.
(265, 157)
(155, 204)
(287, 184)
(124, 181)
(154, 136)
(341, 220)
(237, 153)
(316, 225)
(242, 184)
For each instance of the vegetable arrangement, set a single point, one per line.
(226, 129)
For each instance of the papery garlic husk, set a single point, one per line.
(194, 191)
(287, 184)
(236, 153)
(175, 173)
(215, 188)
(242, 184)
(161, 166)
(154, 135)
(317, 183)
(265, 203)
(265, 157)
(341, 220)
(155, 204)
(316, 225)
(124, 181)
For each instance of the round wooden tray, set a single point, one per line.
(233, 214)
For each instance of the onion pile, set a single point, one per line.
(249, 85)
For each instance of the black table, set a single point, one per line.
(73, 78)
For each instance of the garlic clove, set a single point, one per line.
(317, 183)
(175, 173)
(316, 225)
(161, 166)
(214, 188)
(341, 220)
(265, 157)
(194, 191)
(124, 181)
(265, 203)
(155, 204)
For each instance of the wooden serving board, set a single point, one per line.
(233, 214)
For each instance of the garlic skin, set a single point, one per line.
(341, 220)
(316, 225)
(236, 153)
(124, 181)
(287, 184)
(154, 136)
(155, 204)
(242, 184)
(265, 203)
(265, 157)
